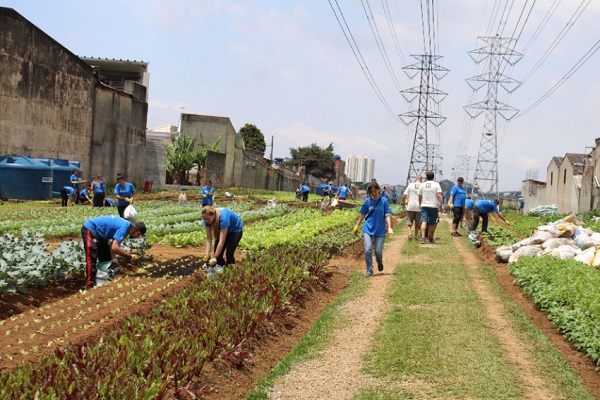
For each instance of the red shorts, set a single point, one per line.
(341, 198)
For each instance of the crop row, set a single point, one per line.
(167, 349)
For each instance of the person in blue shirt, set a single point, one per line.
(343, 192)
(458, 195)
(99, 188)
(469, 203)
(108, 202)
(395, 195)
(66, 193)
(481, 209)
(84, 196)
(227, 228)
(385, 194)
(330, 191)
(208, 193)
(305, 191)
(75, 179)
(375, 211)
(96, 234)
(124, 193)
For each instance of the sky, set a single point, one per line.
(288, 68)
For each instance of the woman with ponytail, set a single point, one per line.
(226, 227)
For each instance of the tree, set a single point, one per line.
(182, 155)
(319, 162)
(253, 138)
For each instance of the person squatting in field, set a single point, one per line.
(227, 228)
(96, 233)
(375, 211)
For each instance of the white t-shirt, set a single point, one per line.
(412, 191)
(429, 191)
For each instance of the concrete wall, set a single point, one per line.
(119, 136)
(156, 163)
(533, 193)
(46, 94)
(552, 178)
(215, 168)
(207, 129)
(565, 188)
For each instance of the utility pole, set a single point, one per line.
(496, 51)
(429, 98)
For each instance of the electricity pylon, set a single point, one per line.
(496, 51)
(429, 99)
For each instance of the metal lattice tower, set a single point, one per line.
(429, 98)
(495, 53)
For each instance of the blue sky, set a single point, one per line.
(287, 67)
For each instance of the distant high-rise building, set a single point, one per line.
(360, 168)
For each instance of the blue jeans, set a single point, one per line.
(368, 244)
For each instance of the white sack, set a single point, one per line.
(525, 251)
(586, 256)
(556, 242)
(503, 253)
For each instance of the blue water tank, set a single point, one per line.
(62, 171)
(25, 178)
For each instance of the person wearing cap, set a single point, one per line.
(458, 195)
(96, 234)
(227, 228)
(410, 200)
(481, 209)
(124, 193)
(208, 193)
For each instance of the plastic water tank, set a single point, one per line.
(62, 171)
(25, 178)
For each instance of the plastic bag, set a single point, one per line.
(503, 253)
(556, 242)
(525, 251)
(583, 241)
(586, 256)
(551, 229)
(539, 237)
(130, 213)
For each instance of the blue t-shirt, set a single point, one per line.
(343, 191)
(99, 187)
(304, 188)
(109, 227)
(83, 193)
(228, 219)
(375, 223)
(69, 190)
(395, 195)
(74, 178)
(469, 204)
(208, 200)
(385, 194)
(126, 190)
(109, 202)
(486, 206)
(459, 195)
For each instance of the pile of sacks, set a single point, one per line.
(565, 238)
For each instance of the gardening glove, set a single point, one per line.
(492, 218)
(507, 222)
(129, 199)
(212, 262)
(451, 207)
(206, 258)
(134, 258)
(355, 230)
(390, 232)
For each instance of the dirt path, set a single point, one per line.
(336, 374)
(514, 349)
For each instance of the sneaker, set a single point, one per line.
(410, 235)
(380, 268)
(368, 274)
(458, 233)
(455, 234)
(432, 240)
(423, 241)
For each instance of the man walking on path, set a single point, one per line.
(482, 208)
(413, 211)
(458, 195)
(430, 198)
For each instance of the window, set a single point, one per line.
(551, 178)
(565, 177)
